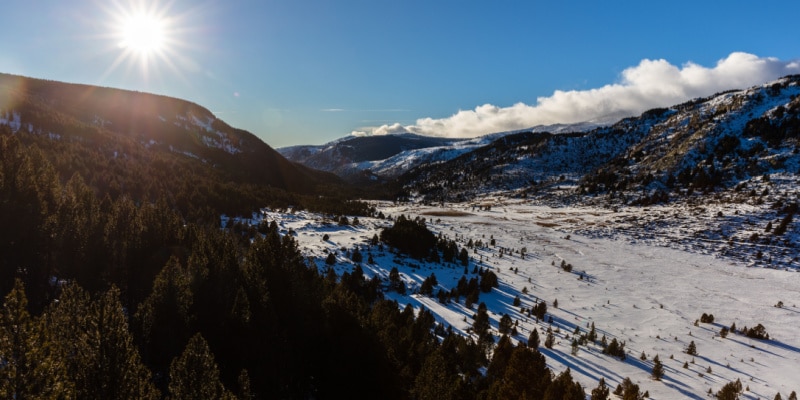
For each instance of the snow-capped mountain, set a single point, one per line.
(389, 156)
(707, 143)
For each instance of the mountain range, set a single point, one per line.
(716, 141)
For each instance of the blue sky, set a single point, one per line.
(307, 72)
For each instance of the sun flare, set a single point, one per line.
(143, 34)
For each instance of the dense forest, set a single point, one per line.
(119, 295)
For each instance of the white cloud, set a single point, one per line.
(652, 83)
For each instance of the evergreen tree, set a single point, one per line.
(481, 327)
(601, 391)
(30, 363)
(437, 380)
(488, 281)
(658, 369)
(164, 316)
(564, 388)
(463, 256)
(195, 375)
(730, 391)
(505, 325)
(357, 257)
(331, 259)
(549, 341)
(691, 349)
(525, 376)
(533, 339)
(100, 354)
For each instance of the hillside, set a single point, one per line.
(735, 153)
(148, 146)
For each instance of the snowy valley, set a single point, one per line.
(646, 293)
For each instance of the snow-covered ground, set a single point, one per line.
(638, 291)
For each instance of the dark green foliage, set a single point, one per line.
(427, 285)
(505, 325)
(563, 387)
(463, 257)
(707, 318)
(616, 349)
(601, 391)
(628, 390)
(539, 310)
(730, 391)
(101, 357)
(488, 281)
(357, 257)
(758, 332)
(550, 340)
(330, 259)
(411, 237)
(533, 339)
(163, 319)
(691, 349)
(395, 283)
(658, 369)
(438, 380)
(195, 375)
(32, 366)
(525, 376)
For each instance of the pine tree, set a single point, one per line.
(533, 339)
(525, 376)
(691, 349)
(730, 391)
(357, 257)
(164, 316)
(601, 391)
(118, 369)
(563, 387)
(102, 358)
(436, 379)
(331, 259)
(505, 324)
(658, 369)
(549, 341)
(481, 327)
(32, 366)
(195, 375)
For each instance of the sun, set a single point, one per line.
(143, 34)
(148, 38)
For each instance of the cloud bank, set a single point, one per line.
(652, 83)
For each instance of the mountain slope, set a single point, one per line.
(349, 157)
(710, 142)
(716, 174)
(114, 138)
(389, 156)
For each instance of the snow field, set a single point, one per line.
(646, 295)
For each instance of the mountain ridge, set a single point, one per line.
(148, 135)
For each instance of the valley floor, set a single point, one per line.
(645, 292)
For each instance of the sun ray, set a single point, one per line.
(146, 35)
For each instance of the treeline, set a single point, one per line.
(115, 298)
